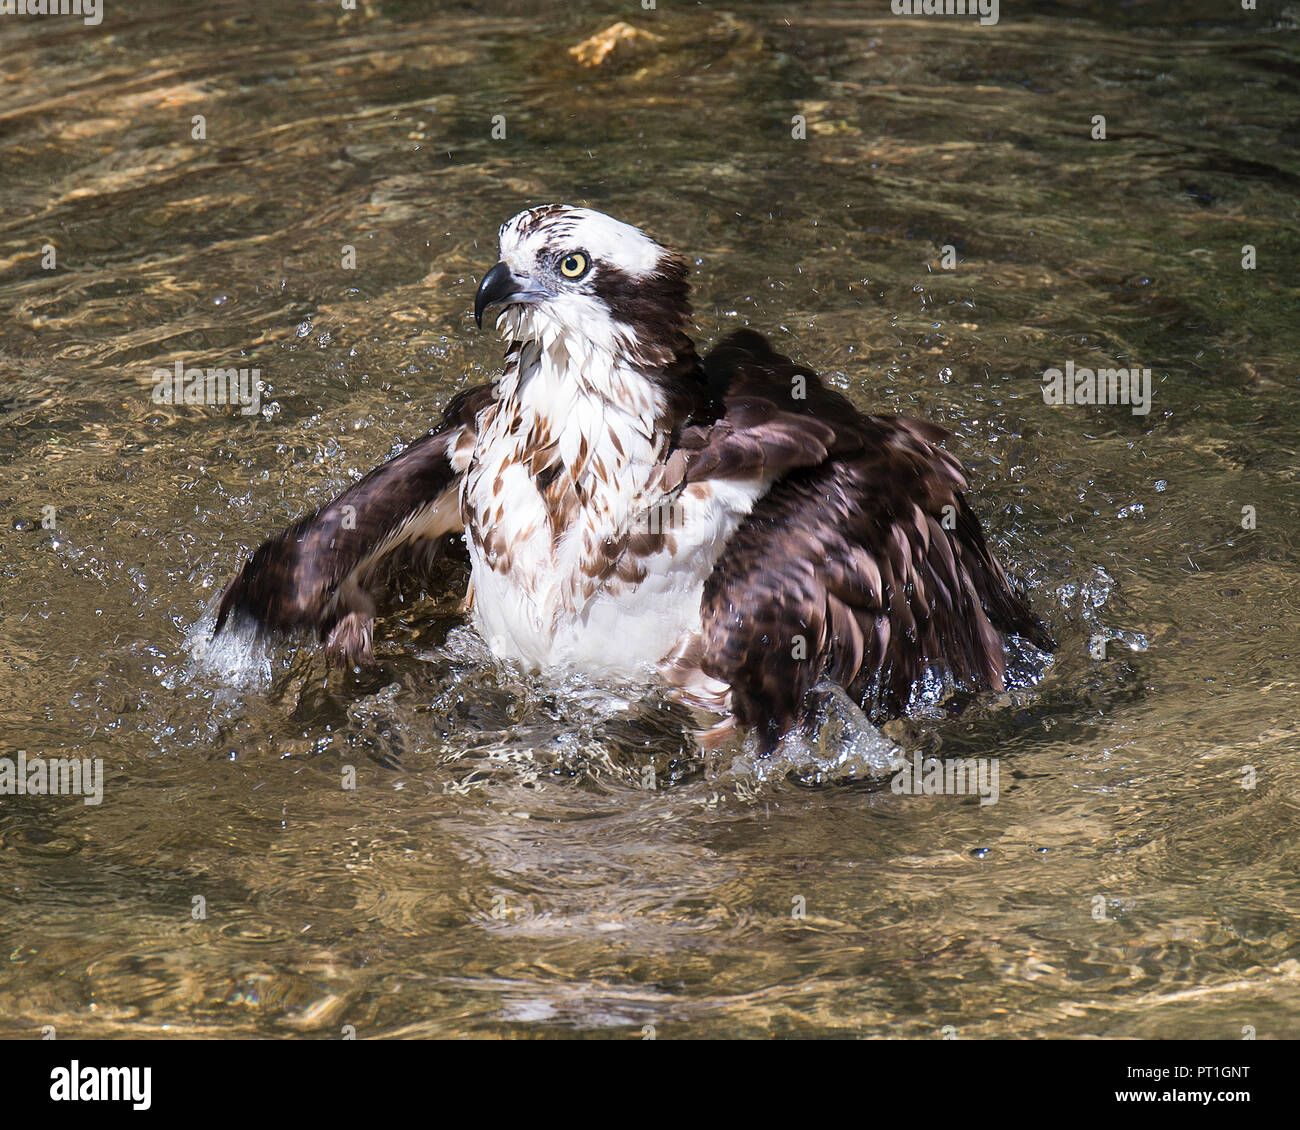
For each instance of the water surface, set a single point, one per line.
(499, 868)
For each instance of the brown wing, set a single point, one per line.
(863, 563)
(318, 573)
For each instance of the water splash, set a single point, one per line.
(842, 744)
(239, 660)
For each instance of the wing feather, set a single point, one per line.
(319, 572)
(862, 562)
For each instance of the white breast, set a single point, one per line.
(534, 601)
(623, 628)
(627, 628)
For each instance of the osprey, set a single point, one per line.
(728, 523)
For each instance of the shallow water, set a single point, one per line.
(500, 867)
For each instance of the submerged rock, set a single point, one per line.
(618, 43)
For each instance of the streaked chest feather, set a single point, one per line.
(579, 558)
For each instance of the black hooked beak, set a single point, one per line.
(496, 289)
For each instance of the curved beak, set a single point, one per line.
(496, 289)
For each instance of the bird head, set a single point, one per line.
(580, 276)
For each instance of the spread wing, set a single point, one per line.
(862, 563)
(320, 572)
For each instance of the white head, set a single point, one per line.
(579, 278)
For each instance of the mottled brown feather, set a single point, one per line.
(863, 563)
(318, 572)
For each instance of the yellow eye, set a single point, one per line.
(571, 266)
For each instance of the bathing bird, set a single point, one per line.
(727, 525)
